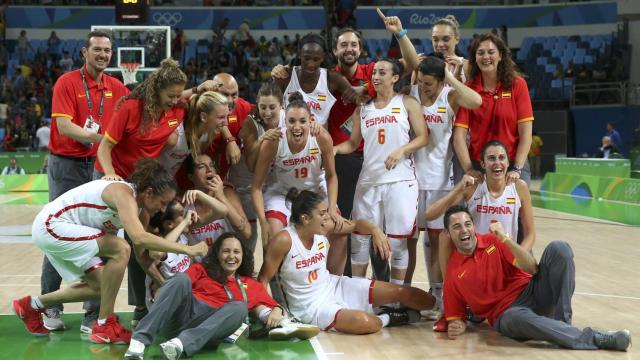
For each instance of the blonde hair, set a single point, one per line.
(450, 20)
(202, 103)
(149, 91)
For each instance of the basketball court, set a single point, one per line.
(607, 296)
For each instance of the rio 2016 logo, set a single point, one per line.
(417, 19)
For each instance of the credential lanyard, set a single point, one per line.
(88, 96)
(244, 295)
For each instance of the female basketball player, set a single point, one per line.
(299, 160)
(209, 197)
(77, 230)
(209, 302)
(440, 95)
(310, 78)
(298, 256)
(387, 191)
(206, 116)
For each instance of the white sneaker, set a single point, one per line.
(172, 349)
(293, 330)
(135, 350)
(52, 320)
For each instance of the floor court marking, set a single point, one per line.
(317, 348)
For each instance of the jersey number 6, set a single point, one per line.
(381, 137)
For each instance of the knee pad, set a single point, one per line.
(360, 249)
(399, 253)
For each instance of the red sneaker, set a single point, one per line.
(441, 325)
(31, 317)
(110, 333)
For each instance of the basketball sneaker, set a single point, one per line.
(135, 350)
(172, 349)
(402, 317)
(88, 321)
(31, 317)
(110, 333)
(612, 340)
(293, 330)
(138, 314)
(441, 325)
(52, 320)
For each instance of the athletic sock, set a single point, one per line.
(36, 303)
(385, 319)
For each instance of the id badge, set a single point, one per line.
(91, 126)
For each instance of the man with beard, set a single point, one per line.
(83, 102)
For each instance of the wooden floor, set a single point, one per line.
(607, 293)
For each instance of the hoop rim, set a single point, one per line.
(129, 66)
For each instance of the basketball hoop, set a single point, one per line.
(129, 71)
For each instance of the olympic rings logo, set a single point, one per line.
(167, 18)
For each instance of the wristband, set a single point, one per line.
(194, 90)
(401, 34)
(517, 169)
(230, 139)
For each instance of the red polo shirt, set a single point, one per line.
(341, 111)
(70, 100)
(131, 144)
(498, 116)
(212, 292)
(218, 148)
(487, 280)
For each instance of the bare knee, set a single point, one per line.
(123, 251)
(359, 323)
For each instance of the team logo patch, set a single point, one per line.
(322, 97)
(506, 94)
(395, 110)
(108, 94)
(491, 249)
(232, 118)
(461, 274)
(173, 122)
(321, 245)
(511, 200)
(314, 151)
(442, 110)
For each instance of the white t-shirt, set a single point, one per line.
(43, 134)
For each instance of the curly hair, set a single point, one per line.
(212, 264)
(507, 69)
(148, 92)
(149, 173)
(202, 103)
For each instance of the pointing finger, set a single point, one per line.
(381, 14)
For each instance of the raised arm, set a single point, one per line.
(462, 191)
(409, 54)
(463, 96)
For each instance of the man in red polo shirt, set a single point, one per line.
(521, 299)
(83, 102)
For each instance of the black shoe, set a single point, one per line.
(138, 314)
(473, 317)
(612, 340)
(402, 317)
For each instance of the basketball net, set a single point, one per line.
(129, 71)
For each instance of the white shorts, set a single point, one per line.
(343, 293)
(276, 206)
(70, 257)
(426, 199)
(392, 207)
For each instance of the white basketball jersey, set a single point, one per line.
(385, 130)
(302, 170)
(320, 100)
(239, 175)
(434, 169)
(172, 158)
(303, 274)
(484, 209)
(209, 232)
(175, 263)
(83, 205)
